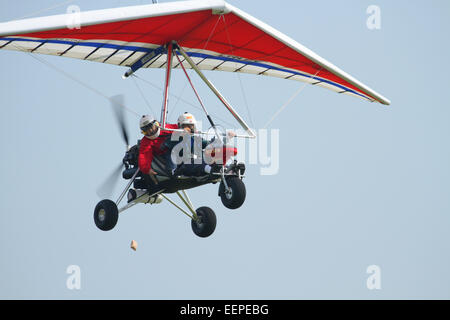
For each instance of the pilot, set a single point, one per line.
(187, 122)
(152, 142)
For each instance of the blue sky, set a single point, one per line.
(359, 184)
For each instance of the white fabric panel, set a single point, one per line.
(304, 79)
(158, 62)
(329, 86)
(208, 64)
(101, 54)
(230, 66)
(21, 45)
(252, 69)
(79, 52)
(52, 48)
(119, 56)
(185, 64)
(132, 59)
(355, 95)
(196, 60)
(176, 63)
(276, 73)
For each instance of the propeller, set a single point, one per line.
(117, 104)
(107, 187)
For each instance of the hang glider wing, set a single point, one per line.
(216, 35)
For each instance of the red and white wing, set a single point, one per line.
(216, 35)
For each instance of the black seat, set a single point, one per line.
(160, 166)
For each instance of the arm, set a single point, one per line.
(230, 135)
(145, 158)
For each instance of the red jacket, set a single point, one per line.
(149, 147)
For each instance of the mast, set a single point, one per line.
(166, 86)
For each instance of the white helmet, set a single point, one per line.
(147, 123)
(186, 118)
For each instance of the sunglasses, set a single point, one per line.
(151, 126)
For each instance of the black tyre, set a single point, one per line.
(106, 215)
(236, 197)
(206, 223)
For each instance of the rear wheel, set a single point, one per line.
(234, 197)
(205, 225)
(106, 215)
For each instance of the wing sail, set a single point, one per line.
(216, 35)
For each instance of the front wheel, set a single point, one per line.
(206, 222)
(234, 197)
(106, 215)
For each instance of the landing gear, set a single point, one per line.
(106, 215)
(203, 220)
(205, 224)
(232, 192)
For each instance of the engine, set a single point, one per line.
(130, 159)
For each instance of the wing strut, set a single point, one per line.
(199, 100)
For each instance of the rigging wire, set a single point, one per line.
(192, 86)
(211, 33)
(50, 65)
(143, 97)
(181, 98)
(238, 75)
(181, 63)
(46, 9)
(276, 114)
(178, 100)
